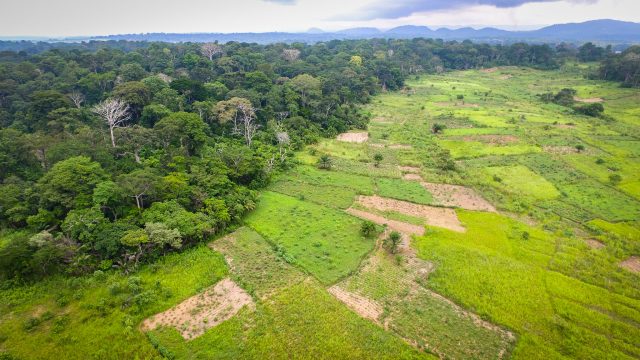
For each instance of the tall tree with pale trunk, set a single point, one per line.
(210, 50)
(115, 113)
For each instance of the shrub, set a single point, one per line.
(325, 162)
(368, 229)
(392, 241)
(615, 179)
(377, 158)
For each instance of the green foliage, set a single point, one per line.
(368, 229)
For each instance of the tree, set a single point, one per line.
(306, 86)
(210, 50)
(115, 113)
(392, 242)
(368, 229)
(139, 184)
(291, 54)
(248, 120)
(77, 98)
(325, 162)
(579, 148)
(377, 158)
(182, 129)
(69, 184)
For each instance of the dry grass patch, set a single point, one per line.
(492, 139)
(198, 313)
(361, 305)
(588, 100)
(632, 264)
(594, 244)
(354, 137)
(458, 196)
(434, 216)
(409, 169)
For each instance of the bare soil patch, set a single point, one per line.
(632, 264)
(434, 216)
(361, 305)
(564, 150)
(392, 224)
(354, 137)
(492, 139)
(594, 244)
(489, 70)
(566, 126)
(458, 196)
(506, 77)
(198, 313)
(412, 177)
(588, 100)
(409, 169)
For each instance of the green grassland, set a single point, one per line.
(324, 242)
(97, 317)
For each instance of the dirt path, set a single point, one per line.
(434, 216)
(198, 313)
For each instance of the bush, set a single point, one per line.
(368, 229)
(593, 110)
(392, 241)
(615, 179)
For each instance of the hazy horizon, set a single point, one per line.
(69, 18)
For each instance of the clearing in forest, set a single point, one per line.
(354, 137)
(198, 313)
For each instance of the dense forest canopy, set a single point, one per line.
(113, 153)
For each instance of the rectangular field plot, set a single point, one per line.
(325, 242)
(520, 180)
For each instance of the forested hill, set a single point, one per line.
(604, 31)
(114, 153)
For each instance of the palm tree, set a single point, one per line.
(325, 162)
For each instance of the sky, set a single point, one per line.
(58, 18)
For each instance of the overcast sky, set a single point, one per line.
(93, 17)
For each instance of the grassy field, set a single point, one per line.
(324, 242)
(545, 266)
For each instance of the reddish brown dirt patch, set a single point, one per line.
(489, 70)
(392, 224)
(361, 305)
(506, 77)
(458, 196)
(409, 169)
(354, 137)
(594, 244)
(588, 100)
(632, 264)
(198, 313)
(492, 139)
(434, 216)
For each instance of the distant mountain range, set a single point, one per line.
(600, 31)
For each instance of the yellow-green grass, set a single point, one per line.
(255, 265)
(498, 272)
(521, 181)
(403, 190)
(603, 201)
(98, 316)
(469, 149)
(301, 322)
(325, 242)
